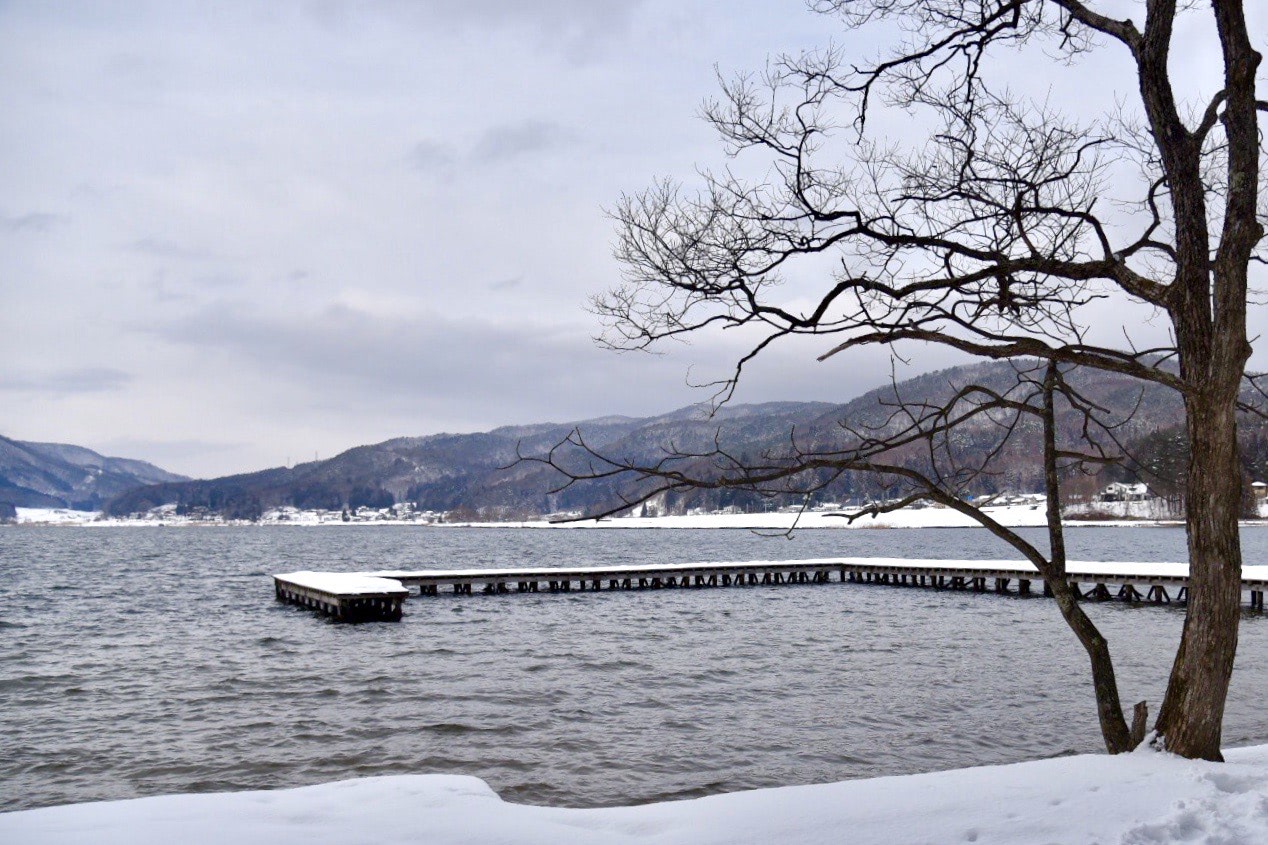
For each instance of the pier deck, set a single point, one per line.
(1157, 583)
(345, 596)
(952, 574)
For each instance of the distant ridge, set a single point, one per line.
(59, 475)
(474, 472)
(475, 476)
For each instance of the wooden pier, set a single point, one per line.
(347, 597)
(1151, 583)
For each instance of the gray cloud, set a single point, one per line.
(166, 453)
(432, 155)
(34, 222)
(546, 13)
(577, 28)
(507, 284)
(443, 356)
(499, 143)
(163, 248)
(512, 140)
(67, 382)
(257, 155)
(426, 363)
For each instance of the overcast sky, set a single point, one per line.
(237, 234)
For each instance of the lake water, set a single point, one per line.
(146, 661)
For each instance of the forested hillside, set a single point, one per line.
(478, 475)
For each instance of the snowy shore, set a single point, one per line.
(1026, 511)
(1133, 799)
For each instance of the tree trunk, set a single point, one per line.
(1209, 314)
(1109, 708)
(1192, 713)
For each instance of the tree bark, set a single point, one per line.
(1210, 320)
(1192, 713)
(1109, 707)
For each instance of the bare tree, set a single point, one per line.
(996, 236)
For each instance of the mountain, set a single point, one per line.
(447, 471)
(57, 475)
(477, 475)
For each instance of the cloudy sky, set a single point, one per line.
(237, 234)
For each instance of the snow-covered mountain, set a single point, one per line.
(60, 475)
(477, 475)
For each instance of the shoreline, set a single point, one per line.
(1145, 796)
(1012, 516)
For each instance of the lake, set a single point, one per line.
(143, 661)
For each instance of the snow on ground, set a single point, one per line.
(1016, 515)
(1012, 516)
(1022, 511)
(1154, 509)
(1028, 511)
(54, 516)
(166, 516)
(1133, 799)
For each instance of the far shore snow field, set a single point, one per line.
(1027, 511)
(1133, 799)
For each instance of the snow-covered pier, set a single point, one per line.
(347, 597)
(1155, 583)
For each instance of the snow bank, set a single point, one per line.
(1029, 513)
(1133, 799)
(1016, 516)
(1158, 510)
(55, 516)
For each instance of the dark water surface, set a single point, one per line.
(144, 661)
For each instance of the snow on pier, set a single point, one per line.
(378, 595)
(346, 596)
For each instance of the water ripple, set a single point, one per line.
(167, 667)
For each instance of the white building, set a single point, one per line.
(1119, 492)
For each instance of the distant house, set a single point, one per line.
(1119, 492)
(1260, 489)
